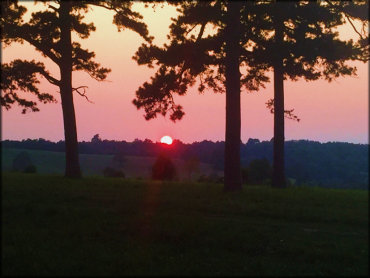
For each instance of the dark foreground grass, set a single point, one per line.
(95, 226)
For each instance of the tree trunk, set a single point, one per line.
(232, 169)
(70, 131)
(278, 176)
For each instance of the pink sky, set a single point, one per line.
(336, 111)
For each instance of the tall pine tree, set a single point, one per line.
(215, 58)
(303, 43)
(49, 31)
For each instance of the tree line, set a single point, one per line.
(332, 164)
(248, 40)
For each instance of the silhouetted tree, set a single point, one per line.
(191, 165)
(259, 170)
(307, 162)
(96, 139)
(30, 169)
(50, 31)
(113, 173)
(252, 141)
(245, 174)
(215, 57)
(163, 168)
(303, 43)
(21, 162)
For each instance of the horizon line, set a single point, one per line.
(178, 140)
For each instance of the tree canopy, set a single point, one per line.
(295, 39)
(300, 40)
(43, 32)
(195, 52)
(49, 31)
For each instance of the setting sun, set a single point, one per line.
(166, 140)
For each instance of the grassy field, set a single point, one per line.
(48, 162)
(105, 226)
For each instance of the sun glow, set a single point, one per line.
(166, 140)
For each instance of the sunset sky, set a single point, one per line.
(336, 111)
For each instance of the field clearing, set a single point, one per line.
(104, 226)
(48, 162)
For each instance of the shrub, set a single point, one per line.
(202, 178)
(258, 171)
(30, 169)
(21, 162)
(113, 173)
(191, 165)
(163, 168)
(245, 175)
(212, 178)
(221, 180)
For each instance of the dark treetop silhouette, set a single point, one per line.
(298, 43)
(49, 31)
(305, 44)
(214, 57)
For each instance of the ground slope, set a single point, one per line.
(97, 226)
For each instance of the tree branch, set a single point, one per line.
(83, 94)
(52, 7)
(349, 18)
(191, 29)
(201, 32)
(44, 50)
(49, 78)
(353, 26)
(103, 6)
(18, 32)
(184, 64)
(287, 113)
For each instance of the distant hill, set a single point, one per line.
(332, 164)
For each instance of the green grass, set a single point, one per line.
(98, 226)
(48, 162)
